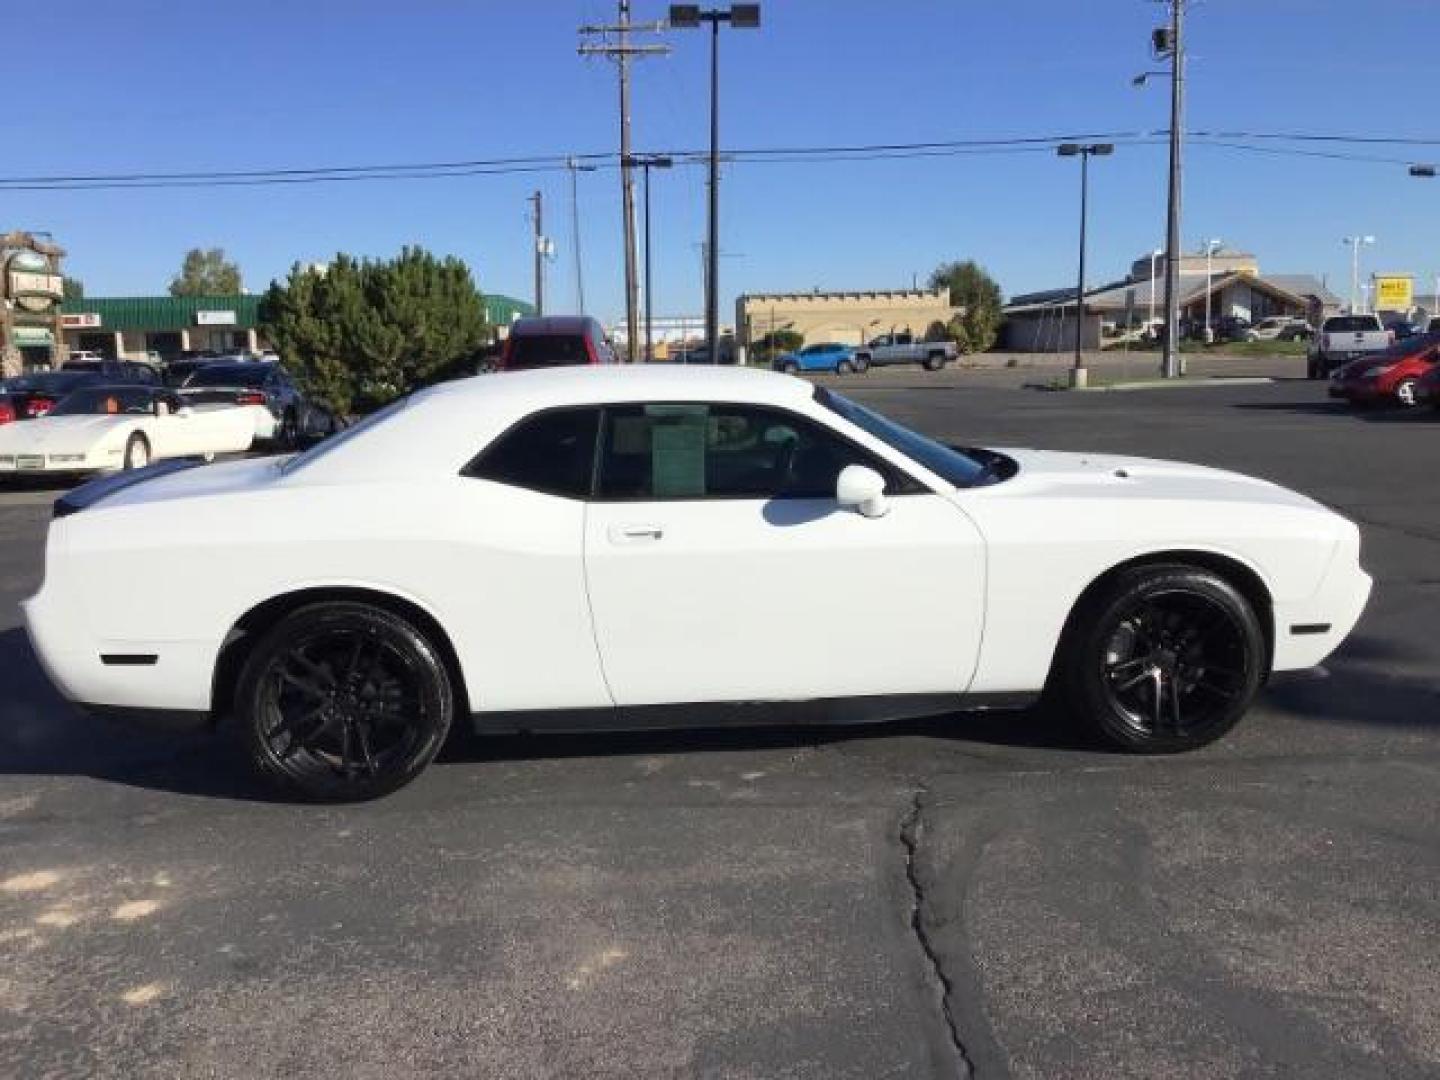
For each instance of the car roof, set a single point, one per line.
(444, 426)
(583, 384)
(553, 324)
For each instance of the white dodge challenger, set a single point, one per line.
(108, 428)
(584, 548)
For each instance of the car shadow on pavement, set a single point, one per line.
(1376, 414)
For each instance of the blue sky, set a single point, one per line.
(149, 85)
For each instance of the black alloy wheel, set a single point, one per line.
(1168, 658)
(342, 701)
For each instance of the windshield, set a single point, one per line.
(230, 375)
(1347, 324)
(105, 400)
(957, 468)
(320, 449)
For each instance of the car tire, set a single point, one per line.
(1162, 659)
(137, 452)
(845, 367)
(934, 362)
(1405, 393)
(342, 702)
(288, 434)
(862, 364)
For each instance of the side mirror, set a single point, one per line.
(863, 489)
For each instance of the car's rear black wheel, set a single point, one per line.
(845, 367)
(343, 701)
(1164, 659)
(790, 368)
(934, 362)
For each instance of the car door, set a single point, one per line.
(721, 568)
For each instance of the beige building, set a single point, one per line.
(850, 318)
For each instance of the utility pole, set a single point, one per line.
(575, 167)
(622, 52)
(537, 217)
(1171, 41)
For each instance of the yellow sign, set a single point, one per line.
(1394, 293)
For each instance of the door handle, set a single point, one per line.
(635, 534)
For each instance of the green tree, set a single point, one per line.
(74, 288)
(206, 273)
(976, 325)
(362, 332)
(776, 343)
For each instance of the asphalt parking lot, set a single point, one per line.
(969, 892)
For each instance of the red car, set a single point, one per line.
(1428, 388)
(1391, 376)
(555, 341)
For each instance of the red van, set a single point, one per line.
(555, 341)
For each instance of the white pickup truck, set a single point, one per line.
(890, 349)
(1343, 338)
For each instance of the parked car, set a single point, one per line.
(1233, 328)
(1402, 328)
(34, 395)
(116, 371)
(104, 428)
(822, 356)
(888, 349)
(253, 383)
(1391, 376)
(605, 547)
(1344, 338)
(555, 341)
(1280, 328)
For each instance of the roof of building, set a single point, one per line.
(1191, 287)
(163, 312)
(853, 294)
(182, 312)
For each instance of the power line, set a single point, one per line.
(1236, 140)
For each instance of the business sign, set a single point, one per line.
(33, 335)
(1394, 292)
(30, 284)
(80, 320)
(215, 318)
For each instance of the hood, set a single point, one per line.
(199, 482)
(1052, 474)
(57, 434)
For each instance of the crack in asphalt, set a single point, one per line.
(910, 826)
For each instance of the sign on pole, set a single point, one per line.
(1394, 292)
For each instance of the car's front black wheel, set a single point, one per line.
(343, 701)
(1164, 659)
(934, 362)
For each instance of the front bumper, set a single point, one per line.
(1309, 630)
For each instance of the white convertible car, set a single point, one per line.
(628, 546)
(106, 428)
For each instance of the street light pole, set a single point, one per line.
(1356, 243)
(646, 162)
(1210, 247)
(1084, 152)
(1150, 326)
(689, 16)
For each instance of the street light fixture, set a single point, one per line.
(1211, 246)
(1084, 151)
(1356, 243)
(689, 17)
(646, 162)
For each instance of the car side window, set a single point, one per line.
(712, 451)
(552, 452)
